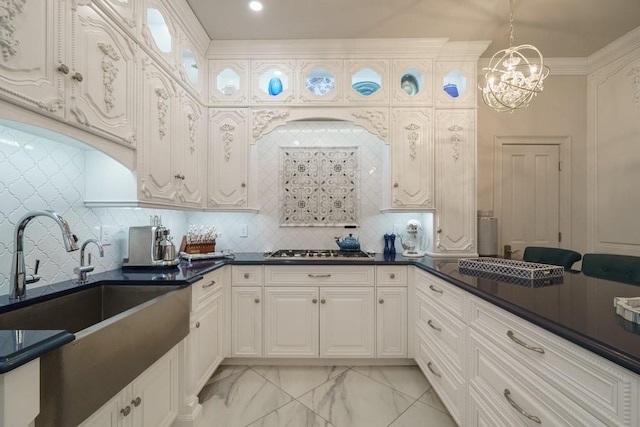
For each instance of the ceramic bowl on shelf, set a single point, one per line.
(320, 85)
(409, 84)
(366, 88)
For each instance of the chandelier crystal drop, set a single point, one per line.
(514, 75)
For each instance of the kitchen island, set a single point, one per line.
(579, 309)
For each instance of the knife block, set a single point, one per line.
(197, 248)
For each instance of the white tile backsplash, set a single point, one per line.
(37, 174)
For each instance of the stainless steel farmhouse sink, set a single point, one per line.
(120, 331)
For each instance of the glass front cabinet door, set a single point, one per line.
(367, 81)
(273, 82)
(455, 84)
(229, 82)
(320, 82)
(412, 82)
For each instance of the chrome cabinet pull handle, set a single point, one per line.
(511, 335)
(430, 323)
(77, 77)
(323, 301)
(213, 282)
(507, 395)
(392, 276)
(246, 275)
(318, 275)
(136, 402)
(315, 300)
(257, 300)
(381, 301)
(243, 185)
(395, 185)
(63, 68)
(197, 324)
(126, 410)
(434, 289)
(429, 365)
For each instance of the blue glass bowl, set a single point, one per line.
(451, 89)
(366, 88)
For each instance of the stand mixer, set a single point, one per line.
(410, 241)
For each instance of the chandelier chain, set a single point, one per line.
(511, 23)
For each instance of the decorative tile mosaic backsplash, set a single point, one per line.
(319, 186)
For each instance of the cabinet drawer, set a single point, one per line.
(387, 275)
(444, 330)
(319, 275)
(442, 293)
(513, 389)
(449, 386)
(599, 386)
(246, 275)
(210, 284)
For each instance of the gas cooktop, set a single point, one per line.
(318, 254)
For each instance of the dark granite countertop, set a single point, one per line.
(579, 309)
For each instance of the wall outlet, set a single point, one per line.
(107, 234)
(244, 230)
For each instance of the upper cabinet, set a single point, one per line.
(124, 12)
(455, 84)
(273, 82)
(229, 82)
(412, 82)
(367, 81)
(320, 82)
(75, 66)
(159, 34)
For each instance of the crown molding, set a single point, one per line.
(439, 48)
(615, 50)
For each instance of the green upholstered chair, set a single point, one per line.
(619, 268)
(554, 256)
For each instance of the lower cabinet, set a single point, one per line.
(246, 321)
(151, 400)
(391, 322)
(319, 322)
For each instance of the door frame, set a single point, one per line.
(564, 202)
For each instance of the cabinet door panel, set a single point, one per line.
(291, 322)
(190, 151)
(228, 158)
(102, 81)
(208, 338)
(347, 322)
(158, 181)
(32, 50)
(412, 154)
(391, 322)
(246, 323)
(455, 174)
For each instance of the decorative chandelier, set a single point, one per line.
(514, 75)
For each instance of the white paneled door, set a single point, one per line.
(530, 196)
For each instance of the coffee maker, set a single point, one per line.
(151, 246)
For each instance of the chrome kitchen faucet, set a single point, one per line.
(84, 269)
(19, 278)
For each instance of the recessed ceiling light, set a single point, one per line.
(255, 6)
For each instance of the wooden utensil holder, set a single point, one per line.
(197, 248)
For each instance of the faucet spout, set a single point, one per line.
(83, 270)
(18, 270)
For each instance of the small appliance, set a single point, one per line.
(151, 246)
(411, 240)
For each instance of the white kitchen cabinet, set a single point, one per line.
(412, 158)
(151, 400)
(367, 81)
(158, 179)
(229, 82)
(412, 82)
(347, 322)
(73, 64)
(273, 81)
(228, 167)
(159, 33)
(208, 336)
(189, 150)
(246, 321)
(33, 50)
(125, 13)
(455, 84)
(391, 322)
(320, 82)
(455, 218)
(291, 322)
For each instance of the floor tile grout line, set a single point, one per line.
(387, 385)
(401, 413)
(431, 406)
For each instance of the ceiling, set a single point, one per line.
(559, 28)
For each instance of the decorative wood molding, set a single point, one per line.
(455, 139)
(10, 10)
(163, 106)
(109, 73)
(412, 137)
(377, 118)
(227, 138)
(191, 117)
(262, 119)
(80, 116)
(52, 106)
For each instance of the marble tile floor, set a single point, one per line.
(321, 396)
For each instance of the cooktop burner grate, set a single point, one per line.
(318, 254)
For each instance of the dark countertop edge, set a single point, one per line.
(23, 356)
(612, 354)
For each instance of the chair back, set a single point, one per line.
(619, 268)
(553, 256)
